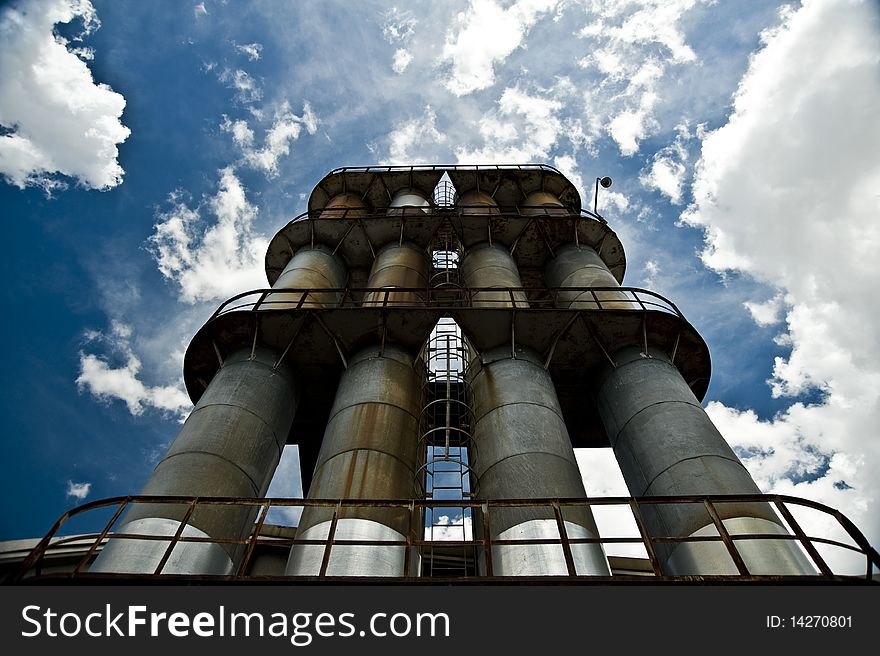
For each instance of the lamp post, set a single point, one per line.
(605, 182)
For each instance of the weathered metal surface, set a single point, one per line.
(134, 556)
(349, 559)
(39, 566)
(666, 444)
(398, 265)
(369, 451)
(229, 446)
(491, 265)
(533, 239)
(760, 557)
(521, 448)
(547, 559)
(310, 268)
(580, 266)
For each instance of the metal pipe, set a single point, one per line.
(312, 268)
(369, 451)
(398, 265)
(523, 450)
(491, 265)
(666, 444)
(229, 446)
(578, 265)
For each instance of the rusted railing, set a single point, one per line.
(591, 298)
(480, 541)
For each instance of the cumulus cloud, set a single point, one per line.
(668, 167)
(402, 59)
(766, 313)
(107, 382)
(78, 490)
(286, 128)
(213, 261)
(54, 118)
(786, 192)
(524, 127)
(484, 35)
(414, 140)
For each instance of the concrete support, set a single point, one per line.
(580, 266)
(229, 446)
(491, 265)
(522, 450)
(369, 451)
(667, 445)
(312, 268)
(398, 265)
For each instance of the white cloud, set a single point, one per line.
(632, 46)
(787, 192)
(402, 59)
(450, 528)
(668, 167)
(398, 25)
(766, 313)
(485, 35)
(217, 261)
(246, 87)
(107, 382)
(523, 128)
(286, 127)
(78, 490)
(57, 119)
(200, 10)
(412, 141)
(253, 50)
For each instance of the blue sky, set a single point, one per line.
(148, 151)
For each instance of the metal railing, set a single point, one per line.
(481, 543)
(470, 212)
(442, 168)
(448, 297)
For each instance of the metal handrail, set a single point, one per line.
(537, 297)
(30, 569)
(457, 210)
(414, 168)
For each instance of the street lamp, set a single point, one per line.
(605, 182)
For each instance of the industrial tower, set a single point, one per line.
(448, 332)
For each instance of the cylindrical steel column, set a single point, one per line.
(667, 445)
(398, 265)
(523, 450)
(313, 268)
(578, 265)
(369, 451)
(407, 201)
(542, 203)
(229, 446)
(491, 265)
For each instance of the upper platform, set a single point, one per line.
(531, 229)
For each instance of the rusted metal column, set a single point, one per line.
(314, 268)
(491, 265)
(522, 448)
(666, 444)
(577, 265)
(229, 446)
(369, 451)
(523, 451)
(398, 265)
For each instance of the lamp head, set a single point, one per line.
(605, 182)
